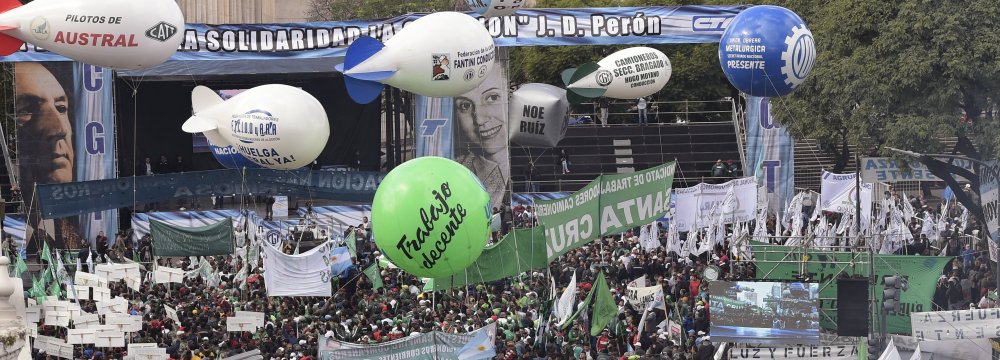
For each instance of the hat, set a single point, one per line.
(302, 342)
(707, 338)
(700, 333)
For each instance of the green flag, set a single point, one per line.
(352, 244)
(605, 309)
(55, 290)
(429, 286)
(37, 290)
(49, 264)
(19, 267)
(372, 273)
(520, 251)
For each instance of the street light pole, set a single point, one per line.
(994, 173)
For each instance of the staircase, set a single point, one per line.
(596, 150)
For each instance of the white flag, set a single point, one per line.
(890, 352)
(564, 307)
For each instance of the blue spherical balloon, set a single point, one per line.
(229, 157)
(767, 51)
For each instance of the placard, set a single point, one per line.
(101, 294)
(172, 314)
(86, 321)
(57, 318)
(80, 336)
(85, 279)
(32, 314)
(163, 275)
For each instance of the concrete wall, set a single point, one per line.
(243, 11)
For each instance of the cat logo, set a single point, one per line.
(40, 28)
(469, 75)
(161, 32)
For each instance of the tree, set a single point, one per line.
(900, 74)
(377, 9)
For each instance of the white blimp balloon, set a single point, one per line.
(274, 126)
(441, 54)
(494, 8)
(627, 74)
(538, 115)
(118, 34)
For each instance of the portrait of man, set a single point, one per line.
(481, 133)
(49, 147)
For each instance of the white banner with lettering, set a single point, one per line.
(889, 170)
(956, 324)
(837, 193)
(640, 297)
(702, 204)
(830, 352)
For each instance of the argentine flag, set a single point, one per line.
(482, 346)
(340, 260)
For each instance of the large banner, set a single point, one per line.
(782, 263)
(59, 200)
(889, 170)
(529, 27)
(770, 153)
(610, 204)
(65, 126)
(956, 324)
(215, 239)
(703, 204)
(187, 219)
(480, 131)
(434, 126)
(306, 274)
(426, 346)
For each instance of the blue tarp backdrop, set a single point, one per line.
(62, 200)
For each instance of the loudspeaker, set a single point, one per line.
(852, 307)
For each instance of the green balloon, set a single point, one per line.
(431, 217)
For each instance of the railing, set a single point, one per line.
(521, 186)
(680, 112)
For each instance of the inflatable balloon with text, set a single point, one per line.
(431, 217)
(274, 126)
(626, 74)
(441, 55)
(538, 115)
(495, 8)
(767, 51)
(117, 34)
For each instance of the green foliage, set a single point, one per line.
(378, 9)
(900, 74)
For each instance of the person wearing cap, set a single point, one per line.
(732, 169)
(706, 351)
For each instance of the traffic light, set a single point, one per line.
(894, 286)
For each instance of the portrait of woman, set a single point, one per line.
(481, 133)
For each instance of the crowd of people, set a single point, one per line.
(359, 313)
